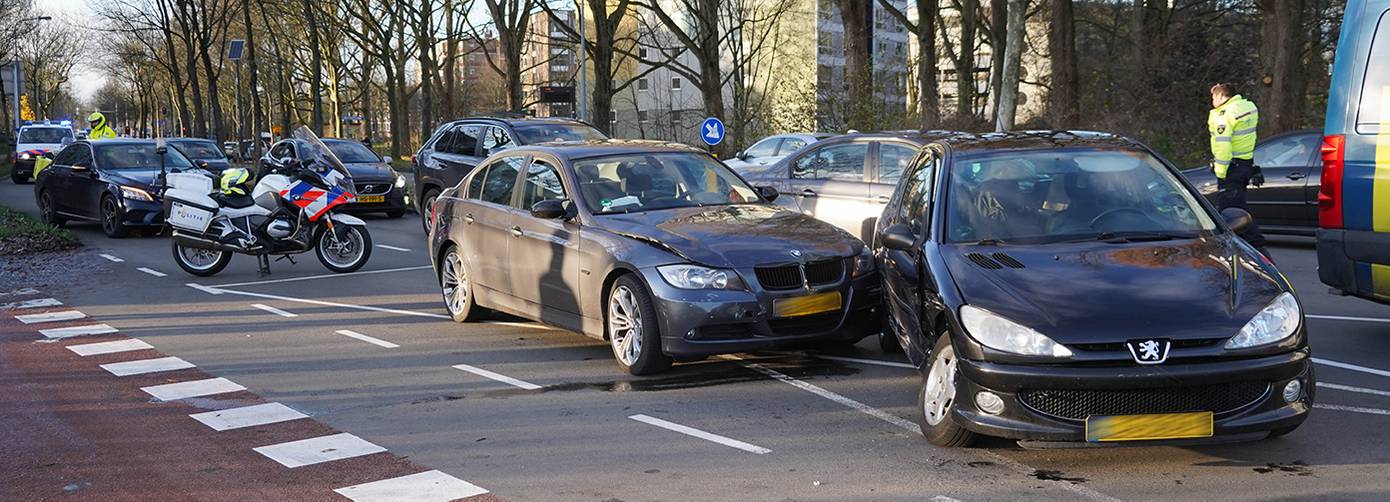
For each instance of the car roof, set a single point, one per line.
(189, 140)
(573, 150)
(1035, 140)
(516, 121)
(912, 135)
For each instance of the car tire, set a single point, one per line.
(47, 212)
(425, 204)
(200, 269)
(936, 397)
(632, 330)
(456, 286)
(395, 214)
(331, 263)
(112, 218)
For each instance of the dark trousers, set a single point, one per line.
(1232, 194)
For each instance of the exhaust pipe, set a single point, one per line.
(204, 243)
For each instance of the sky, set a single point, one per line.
(85, 79)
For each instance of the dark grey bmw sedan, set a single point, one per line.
(657, 248)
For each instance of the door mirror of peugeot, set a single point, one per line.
(549, 209)
(1236, 218)
(386, 160)
(898, 236)
(768, 193)
(741, 155)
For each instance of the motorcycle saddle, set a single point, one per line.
(234, 201)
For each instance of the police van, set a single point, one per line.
(33, 141)
(1354, 198)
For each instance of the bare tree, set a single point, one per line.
(1063, 103)
(859, 68)
(963, 55)
(1013, 57)
(511, 20)
(696, 35)
(1281, 57)
(928, 103)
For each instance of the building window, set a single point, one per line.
(675, 83)
(643, 84)
(641, 115)
(612, 116)
(642, 52)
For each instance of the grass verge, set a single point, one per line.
(22, 234)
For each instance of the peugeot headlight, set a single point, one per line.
(1004, 335)
(864, 263)
(697, 277)
(133, 193)
(1275, 322)
(400, 180)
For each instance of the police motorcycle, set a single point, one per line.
(288, 211)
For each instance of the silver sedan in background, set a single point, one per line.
(772, 149)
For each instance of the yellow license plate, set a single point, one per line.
(806, 305)
(1146, 427)
(370, 199)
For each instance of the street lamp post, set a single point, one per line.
(15, 68)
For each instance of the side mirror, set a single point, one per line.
(80, 167)
(387, 159)
(549, 209)
(49, 155)
(1236, 218)
(741, 155)
(898, 236)
(768, 193)
(202, 164)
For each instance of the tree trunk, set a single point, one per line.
(425, 37)
(1282, 50)
(854, 15)
(451, 54)
(929, 102)
(998, 29)
(1063, 103)
(965, 61)
(1013, 56)
(316, 67)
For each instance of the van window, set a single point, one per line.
(1377, 83)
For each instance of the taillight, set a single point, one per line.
(1334, 151)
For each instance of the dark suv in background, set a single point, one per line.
(458, 146)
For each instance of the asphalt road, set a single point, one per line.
(554, 418)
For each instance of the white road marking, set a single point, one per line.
(195, 388)
(876, 362)
(368, 308)
(497, 376)
(1349, 366)
(206, 289)
(905, 424)
(62, 315)
(393, 248)
(318, 450)
(1346, 318)
(72, 331)
(151, 271)
(112, 258)
(96, 349)
(374, 341)
(1353, 409)
(1348, 388)
(274, 310)
(321, 276)
(144, 366)
(422, 487)
(21, 292)
(693, 432)
(248, 416)
(31, 304)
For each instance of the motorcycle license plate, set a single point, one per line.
(370, 199)
(1146, 427)
(189, 217)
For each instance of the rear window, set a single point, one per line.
(1375, 89)
(352, 153)
(541, 133)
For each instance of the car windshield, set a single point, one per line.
(199, 150)
(44, 135)
(1068, 193)
(641, 182)
(352, 152)
(541, 133)
(137, 156)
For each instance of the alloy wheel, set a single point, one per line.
(344, 248)
(199, 258)
(625, 325)
(454, 283)
(110, 216)
(940, 391)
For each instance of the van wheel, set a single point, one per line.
(17, 176)
(936, 397)
(633, 331)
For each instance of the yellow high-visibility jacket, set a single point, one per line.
(1232, 126)
(102, 131)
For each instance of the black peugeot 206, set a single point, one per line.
(1068, 288)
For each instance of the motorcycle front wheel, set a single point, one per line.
(200, 261)
(344, 248)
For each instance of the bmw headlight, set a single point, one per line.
(864, 263)
(1275, 322)
(400, 180)
(133, 193)
(697, 277)
(1001, 334)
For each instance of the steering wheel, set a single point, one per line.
(1109, 212)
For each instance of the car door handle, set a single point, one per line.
(1296, 176)
(468, 218)
(808, 193)
(883, 199)
(516, 231)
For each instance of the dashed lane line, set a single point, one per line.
(273, 310)
(321, 276)
(144, 366)
(1352, 367)
(497, 376)
(1346, 318)
(903, 423)
(1353, 409)
(707, 436)
(219, 290)
(1348, 388)
(393, 248)
(62, 315)
(195, 388)
(876, 362)
(96, 349)
(318, 450)
(428, 485)
(111, 258)
(31, 304)
(151, 271)
(73, 331)
(374, 341)
(248, 416)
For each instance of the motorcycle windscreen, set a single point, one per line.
(324, 161)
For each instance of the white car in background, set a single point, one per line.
(772, 149)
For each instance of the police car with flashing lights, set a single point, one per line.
(33, 141)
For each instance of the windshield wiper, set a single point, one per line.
(987, 242)
(1142, 236)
